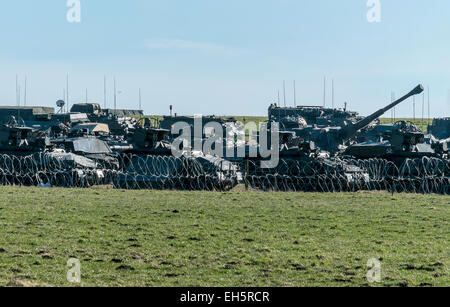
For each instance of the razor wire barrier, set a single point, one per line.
(123, 172)
(171, 173)
(307, 175)
(153, 172)
(57, 170)
(426, 175)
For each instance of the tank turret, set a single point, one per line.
(351, 130)
(404, 141)
(333, 139)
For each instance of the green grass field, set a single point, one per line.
(148, 238)
(421, 124)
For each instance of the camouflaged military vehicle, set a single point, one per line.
(403, 141)
(311, 116)
(334, 139)
(120, 122)
(20, 140)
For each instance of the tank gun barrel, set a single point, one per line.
(351, 130)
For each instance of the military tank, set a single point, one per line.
(403, 141)
(335, 139)
(314, 159)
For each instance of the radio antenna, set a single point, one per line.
(67, 93)
(332, 93)
(140, 100)
(25, 93)
(18, 97)
(295, 95)
(393, 110)
(104, 91)
(429, 116)
(284, 93)
(115, 96)
(17, 90)
(423, 108)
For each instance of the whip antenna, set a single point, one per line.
(295, 95)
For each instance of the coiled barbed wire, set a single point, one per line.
(426, 175)
(124, 172)
(171, 173)
(58, 170)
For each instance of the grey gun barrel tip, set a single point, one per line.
(419, 89)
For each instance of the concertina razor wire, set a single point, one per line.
(147, 172)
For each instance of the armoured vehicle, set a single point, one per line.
(403, 141)
(148, 140)
(440, 128)
(95, 109)
(335, 139)
(82, 145)
(302, 167)
(42, 119)
(305, 164)
(89, 129)
(374, 133)
(168, 121)
(426, 143)
(70, 119)
(26, 114)
(89, 147)
(120, 122)
(87, 108)
(19, 139)
(302, 116)
(232, 134)
(121, 113)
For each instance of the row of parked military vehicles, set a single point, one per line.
(306, 133)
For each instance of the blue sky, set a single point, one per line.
(227, 57)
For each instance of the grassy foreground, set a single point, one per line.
(144, 238)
